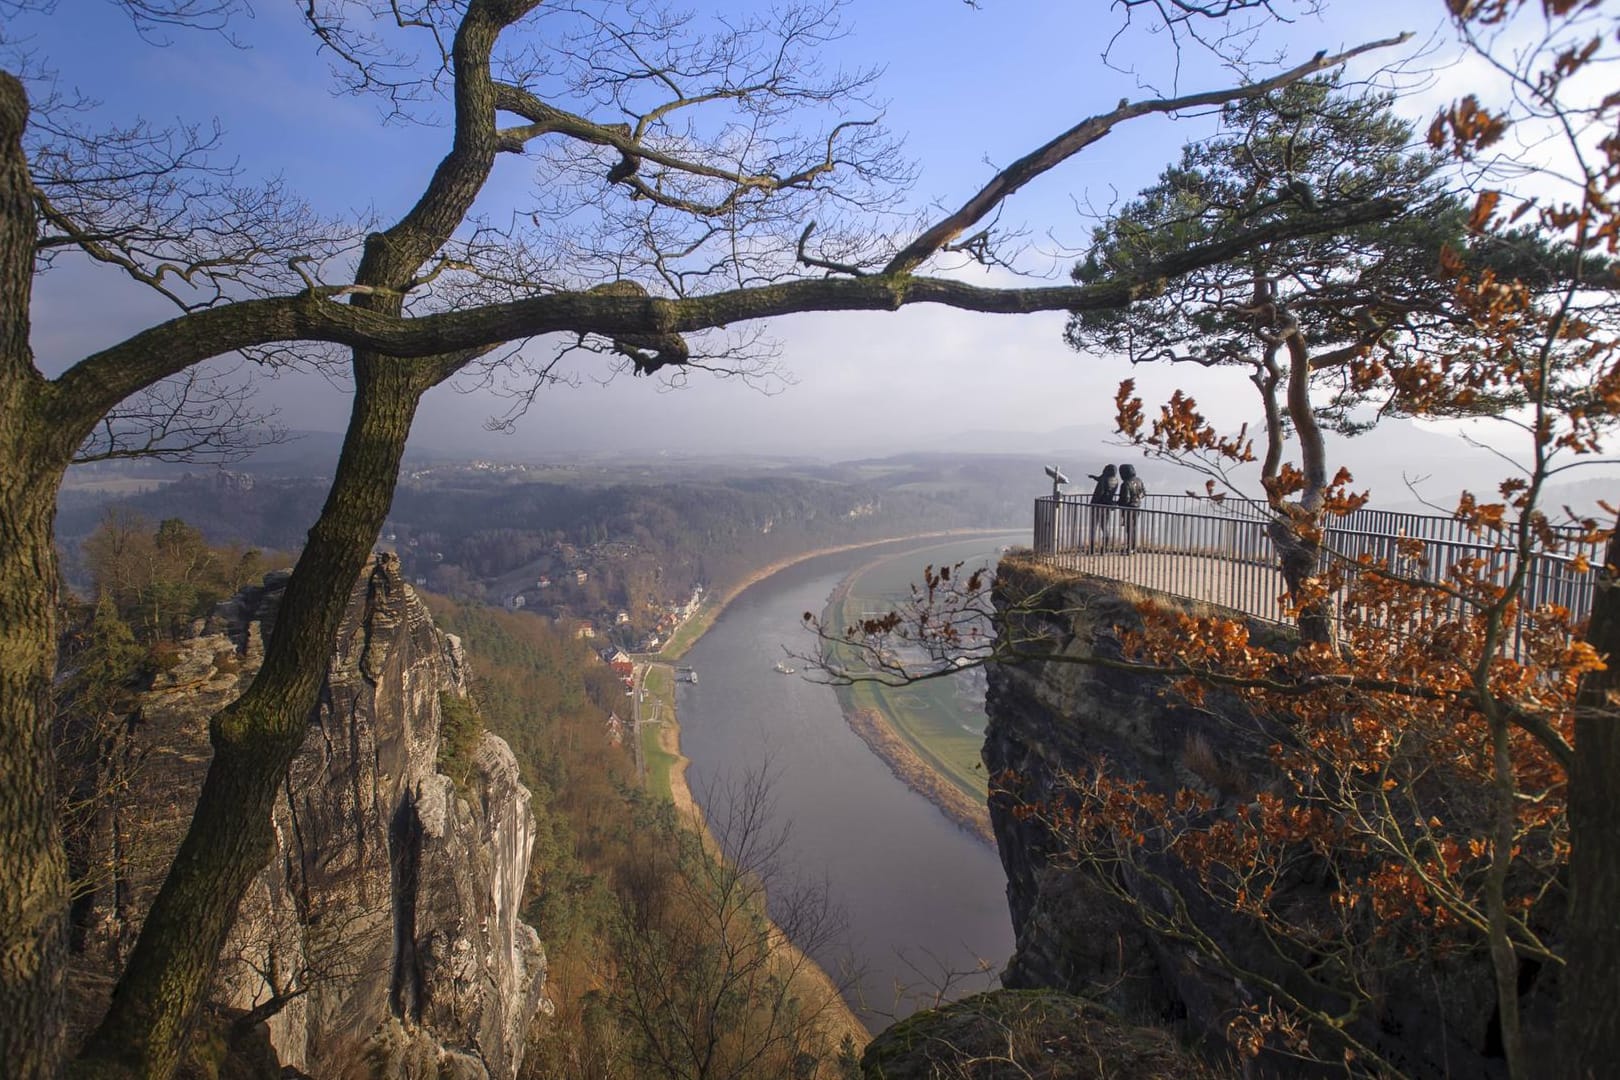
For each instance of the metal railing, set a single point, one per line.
(1369, 521)
(1219, 552)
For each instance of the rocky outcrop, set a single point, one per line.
(384, 937)
(1025, 1035)
(1049, 720)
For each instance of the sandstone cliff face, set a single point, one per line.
(1049, 720)
(388, 916)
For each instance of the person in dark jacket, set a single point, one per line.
(1131, 491)
(1103, 497)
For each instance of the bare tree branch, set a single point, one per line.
(1088, 131)
(100, 381)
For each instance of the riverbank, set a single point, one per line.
(688, 633)
(910, 769)
(889, 751)
(823, 997)
(912, 761)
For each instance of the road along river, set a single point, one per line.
(923, 897)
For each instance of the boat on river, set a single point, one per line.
(782, 668)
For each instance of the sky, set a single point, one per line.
(968, 87)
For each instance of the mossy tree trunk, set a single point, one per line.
(255, 738)
(33, 868)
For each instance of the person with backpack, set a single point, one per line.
(1131, 492)
(1103, 497)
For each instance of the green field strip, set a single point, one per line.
(659, 763)
(659, 684)
(930, 717)
(927, 716)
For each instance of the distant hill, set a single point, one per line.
(1405, 465)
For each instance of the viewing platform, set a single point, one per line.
(1219, 552)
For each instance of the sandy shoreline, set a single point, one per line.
(839, 1018)
(910, 769)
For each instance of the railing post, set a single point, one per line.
(1045, 515)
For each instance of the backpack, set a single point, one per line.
(1106, 491)
(1132, 492)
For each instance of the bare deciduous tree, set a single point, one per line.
(716, 981)
(681, 167)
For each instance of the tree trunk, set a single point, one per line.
(1297, 532)
(1299, 559)
(1588, 1017)
(254, 741)
(1504, 960)
(33, 867)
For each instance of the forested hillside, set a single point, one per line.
(661, 964)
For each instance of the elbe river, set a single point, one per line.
(922, 896)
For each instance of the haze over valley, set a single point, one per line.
(810, 540)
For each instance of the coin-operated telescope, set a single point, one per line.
(1058, 480)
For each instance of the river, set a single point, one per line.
(923, 898)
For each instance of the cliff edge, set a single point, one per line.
(1051, 720)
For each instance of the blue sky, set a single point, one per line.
(967, 88)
